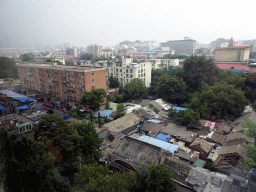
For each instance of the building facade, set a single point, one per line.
(94, 49)
(184, 47)
(163, 63)
(232, 54)
(129, 69)
(62, 83)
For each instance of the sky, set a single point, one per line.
(108, 22)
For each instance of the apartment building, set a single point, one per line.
(129, 69)
(163, 63)
(94, 49)
(184, 47)
(62, 83)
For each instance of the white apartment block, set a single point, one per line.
(163, 63)
(130, 69)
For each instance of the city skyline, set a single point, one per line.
(81, 23)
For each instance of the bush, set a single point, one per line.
(153, 108)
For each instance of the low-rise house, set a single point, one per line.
(187, 157)
(224, 128)
(142, 113)
(231, 155)
(151, 129)
(201, 146)
(216, 137)
(235, 138)
(214, 154)
(157, 105)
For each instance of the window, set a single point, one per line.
(130, 70)
(127, 71)
(131, 76)
(93, 80)
(92, 73)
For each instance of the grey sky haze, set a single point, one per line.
(107, 22)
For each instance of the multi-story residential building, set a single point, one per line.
(94, 49)
(185, 47)
(62, 83)
(130, 69)
(106, 53)
(163, 63)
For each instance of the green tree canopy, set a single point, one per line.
(94, 98)
(175, 56)
(113, 82)
(251, 131)
(26, 57)
(231, 78)
(221, 99)
(25, 159)
(248, 163)
(198, 70)
(171, 88)
(120, 111)
(87, 56)
(135, 89)
(250, 86)
(8, 68)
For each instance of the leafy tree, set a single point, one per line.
(250, 86)
(26, 57)
(135, 89)
(198, 70)
(251, 131)
(28, 157)
(120, 111)
(231, 78)
(107, 106)
(209, 165)
(185, 117)
(155, 178)
(254, 105)
(74, 112)
(86, 56)
(94, 98)
(8, 68)
(113, 82)
(220, 100)
(248, 163)
(118, 98)
(90, 142)
(175, 56)
(171, 88)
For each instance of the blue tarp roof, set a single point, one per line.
(103, 113)
(162, 144)
(2, 107)
(179, 109)
(65, 117)
(23, 107)
(162, 137)
(154, 121)
(17, 96)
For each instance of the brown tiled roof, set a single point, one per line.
(145, 102)
(234, 136)
(234, 149)
(206, 146)
(217, 138)
(153, 127)
(142, 113)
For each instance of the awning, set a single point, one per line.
(2, 107)
(23, 107)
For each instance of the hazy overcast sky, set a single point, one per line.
(107, 22)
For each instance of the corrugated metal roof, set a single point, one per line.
(162, 144)
(162, 137)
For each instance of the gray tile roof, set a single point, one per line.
(206, 146)
(240, 149)
(153, 127)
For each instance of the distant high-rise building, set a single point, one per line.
(94, 49)
(186, 46)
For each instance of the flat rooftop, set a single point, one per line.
(62, 67)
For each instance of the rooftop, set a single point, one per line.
(206, 146)
(233, 149)
(152, 127)
(233, 67)
(62, 67)
(217, 138)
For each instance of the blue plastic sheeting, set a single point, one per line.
(16, 96)
(162, 137)
(179, 109)
(154, 121)
(36, 122)
(2, 107)
(65, 117)
(162, 144)
(23, 107)
(103, 113)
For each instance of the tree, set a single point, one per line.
(135, 89)
(155, 178)
(185, 117)
(118, 98)
(171, 88)
(174, 56)
(198, 70)
(87, 56)
(248, 163)
(250, 86)
(120, 111)
(8, 68)
(74, 112)
(113, 82)
(220, 100)
(25, 159)
(94, 98)
(231, 78)
(251, 131)
(26, 57)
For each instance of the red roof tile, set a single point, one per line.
(234, 66)
(241, 45)
(70, 56)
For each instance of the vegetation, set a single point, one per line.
(250, 86)
(174, 56)
(135, 89)
(120, 111)
(153, 108)
(86, 56)
(94, 98)
(209, 165)
(113, 82)
(251, 131)
(26, 57)
(8, 68)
